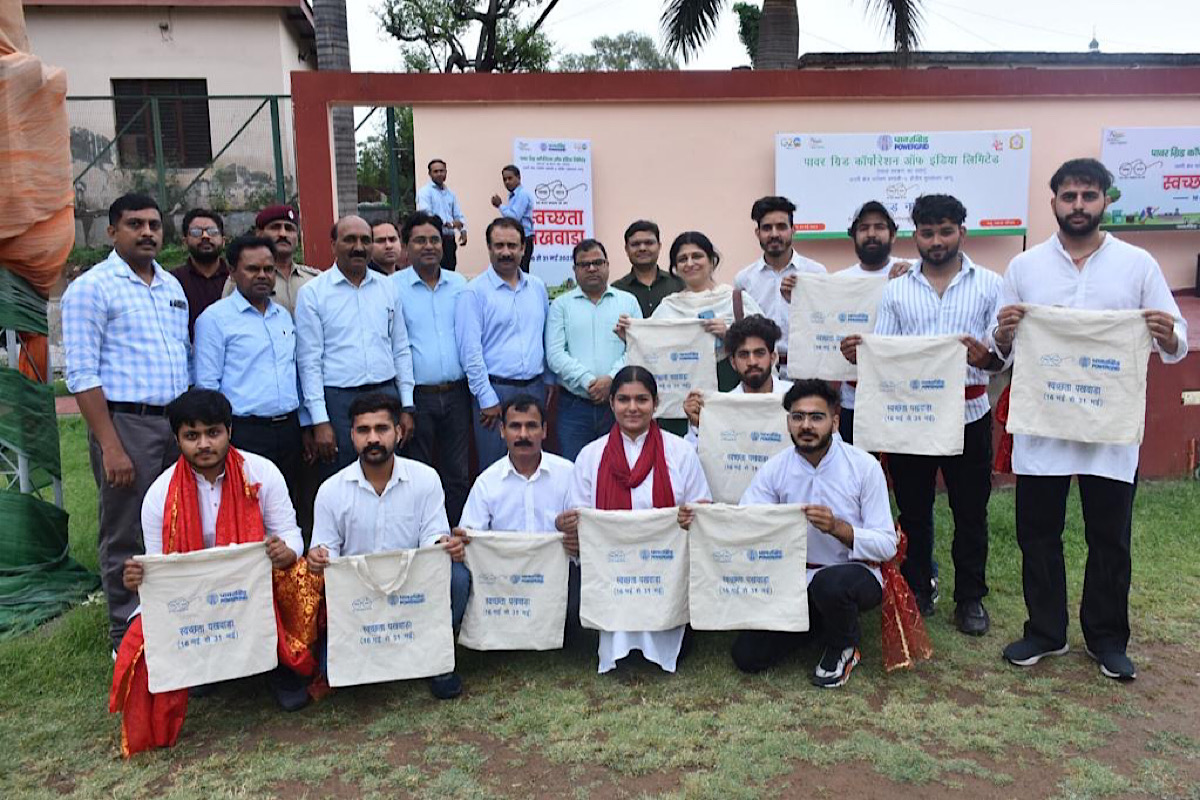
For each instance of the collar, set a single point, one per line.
(831, 455)
(354, 474)
(918, 273)
(497, 282)
(631, 278)
(340, 277)
(411, 277)
(1058, 245)
(125, 271)
(577, 292)
(640, 440)
(510, 469)
(241, 304)
(793, 264)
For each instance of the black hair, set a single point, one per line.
(504, 222)
(765, 205)
(632, 373)
(202, 212)
(522, 402)
(233, 250)
(205, 406)
(513, 168)
(588, 244)
(130, 202)
(700, 240)
(375, 401)
(812, 387)
(1084, 170)
(433, 161)
(417, 219)
(872, 207)
(384, 221)
(754, 326)
(643, 226)
(930, 209)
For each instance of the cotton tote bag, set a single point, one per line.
(679, 353)
(825, 310)
(738, 433)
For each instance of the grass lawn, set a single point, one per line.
(541, 725)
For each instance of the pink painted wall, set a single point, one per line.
(700, 166)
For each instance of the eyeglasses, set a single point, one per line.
(799, 417)
(597, 264)
(211, 230)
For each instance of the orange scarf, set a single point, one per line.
(905, 640)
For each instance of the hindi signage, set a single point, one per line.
(558, 175)
(1156, 178)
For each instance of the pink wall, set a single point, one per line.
(690, 165)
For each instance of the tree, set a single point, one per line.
(627, 52)
(333, 53)
(374, 163)
(688, 24)
(749, 16)
(434, 34)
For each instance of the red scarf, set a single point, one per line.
(1003, 462)
(616, 481)
(154, 720)
(905, 640)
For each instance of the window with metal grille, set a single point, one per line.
(183, 121)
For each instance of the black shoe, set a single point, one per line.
(1027, 652)
(972, 618)
(446, 687)
(925, 604)
(835, 667)
(1114, 665)
(290, 690)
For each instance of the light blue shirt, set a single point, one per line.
(441, 202)
(499, 331)
(520, 208)
(580, 343)
(429, 318)
(249, 357)
(350, 336)
(125, 336)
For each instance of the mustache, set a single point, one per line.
(523, 443)
(358, 253)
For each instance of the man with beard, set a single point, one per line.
(203, 275)
(645, 280)
(436, 198)
(499, 326)
(751, 346)
(280, 224)
(382, 502)
(246, 349)
(583, 349)
(427, 297)
(773, 220)
(1081, 267)
(844, 496)
(350, 340)
(946, 294)
(385, 248)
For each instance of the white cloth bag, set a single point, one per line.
(389, 616)
(825, 310)
(679, 353)
(1080, 375)
(910, 395)
(518, 591)
(208, 616)
(738, 433)
(748, 568)
(633, 569)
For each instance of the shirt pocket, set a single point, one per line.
(401, 531)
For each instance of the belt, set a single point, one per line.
(366, 387)
(441, 388)
(569, 395)
(514, 381)
(141, 409)
(281, 419)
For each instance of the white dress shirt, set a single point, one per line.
(761, 281)
(848, 481)
(689, 485)
(350, 519)
(779, 386)
(858, 271)
(1117, 276)
(503, 499)
(279, 516)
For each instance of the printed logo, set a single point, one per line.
(486, 578)
(771, 437)
(362, 604)
(514, 579)
(752, 555)
(665, 554)
(817, 318)
(730, 436)
(1016, 142)
(914, 385)
(722, 556)
(644, 555)
(933, 385)
(213, 598)
(888, 387)
(406, 599)
(180, 604)
(842, 317)
(884, 142)
(616, 556)
(1084, 361)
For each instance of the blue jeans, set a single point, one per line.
(337, 405)
(489, 445)
(580, 422)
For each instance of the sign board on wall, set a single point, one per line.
(1156, 178)
(829, 175)
(558, 174)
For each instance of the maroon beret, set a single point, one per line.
(272, 213)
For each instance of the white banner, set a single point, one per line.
(208, 616)
(738, 433)
(1080, 375)
(1156, 178)
(681, 355)
(829, 175)
(557, 173)
(825, 310)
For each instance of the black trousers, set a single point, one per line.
(846, 425)
(449, 251)
(277, 442)
(1107, 520)
(528, 255)
(968, 479)
(441, 438)
(836, 598)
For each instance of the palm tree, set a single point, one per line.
(688, 24)
(333, 53)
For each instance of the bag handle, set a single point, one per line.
(362, 568)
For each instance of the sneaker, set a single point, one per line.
(934, 595)
(925, 604)
(1027, 652)
(834, 667)
(1114, 665)
(446, 687)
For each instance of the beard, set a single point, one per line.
(873, 253)
(945, 257)
(812, 446)
(756, 380)
(204, 257)
(1083, 227)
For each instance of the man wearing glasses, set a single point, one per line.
(582, 349)
(203, 276)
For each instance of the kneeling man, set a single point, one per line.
(850, 533)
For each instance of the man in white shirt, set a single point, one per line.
(1081, 267)
(774, 218)
(383, 502)
(850, 532)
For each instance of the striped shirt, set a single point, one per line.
(911, 307)
(125, 336)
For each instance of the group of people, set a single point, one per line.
(374, 386)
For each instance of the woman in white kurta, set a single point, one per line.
(634, 395)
